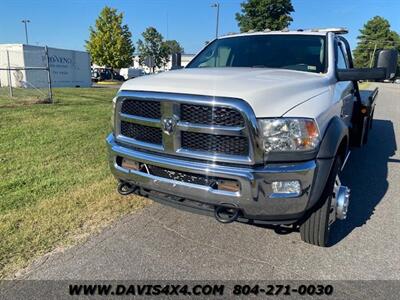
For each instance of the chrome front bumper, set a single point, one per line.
(255, 198)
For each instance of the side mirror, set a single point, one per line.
(385, 68)
(387, 58)
(361, 74)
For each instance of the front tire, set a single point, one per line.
(316, 228)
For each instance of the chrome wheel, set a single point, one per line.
(339, 202)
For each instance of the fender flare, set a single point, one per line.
(334, 135)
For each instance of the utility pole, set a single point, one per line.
(216, 30)
(9, 75)
(167, 26)
(373, 56)
(26, 21)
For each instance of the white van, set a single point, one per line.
(129, 73)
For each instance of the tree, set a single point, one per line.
(376, 34)
(173, 47)
(153, 47)
(110, 42)
(259, 15)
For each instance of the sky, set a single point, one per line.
(65, 24)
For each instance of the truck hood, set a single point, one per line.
(270, 92)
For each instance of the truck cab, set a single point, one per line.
(256, 128)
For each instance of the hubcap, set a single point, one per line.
(342, 202)
(339, 202)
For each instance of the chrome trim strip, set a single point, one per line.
(215, 158)
(147, 146)
(140, 120)
(170, 105)
(171, 142)
(345, 161)
(218, 130)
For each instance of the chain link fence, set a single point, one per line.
(25, 75)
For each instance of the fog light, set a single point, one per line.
(286, 188)
(228, 185)
(130, 164)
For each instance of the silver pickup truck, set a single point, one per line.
(257, 129)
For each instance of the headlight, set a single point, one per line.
(289, 134)
(114, 104)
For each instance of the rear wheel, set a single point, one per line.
(316, 228)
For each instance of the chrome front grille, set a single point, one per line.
(225, 144)
(211, 115)
(147, 109)
(141, 133)
(201, 127)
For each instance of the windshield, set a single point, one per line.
(294, 52)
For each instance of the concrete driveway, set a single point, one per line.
(163, 243)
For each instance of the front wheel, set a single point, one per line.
(316, 228)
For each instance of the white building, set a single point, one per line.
(185, 59)
(68, 68)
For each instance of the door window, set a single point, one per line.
(341, 62)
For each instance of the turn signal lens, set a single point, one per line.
(228, 185)
(130, 164)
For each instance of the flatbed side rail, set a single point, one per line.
(372, 97)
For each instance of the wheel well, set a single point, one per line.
(342, 150)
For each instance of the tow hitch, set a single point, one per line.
(226, 213)
(125, 188)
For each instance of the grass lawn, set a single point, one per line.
(55, 185)
(109, 82)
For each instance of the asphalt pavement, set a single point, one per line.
(160, 242)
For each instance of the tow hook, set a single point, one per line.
(226, 213)
(125, 188)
